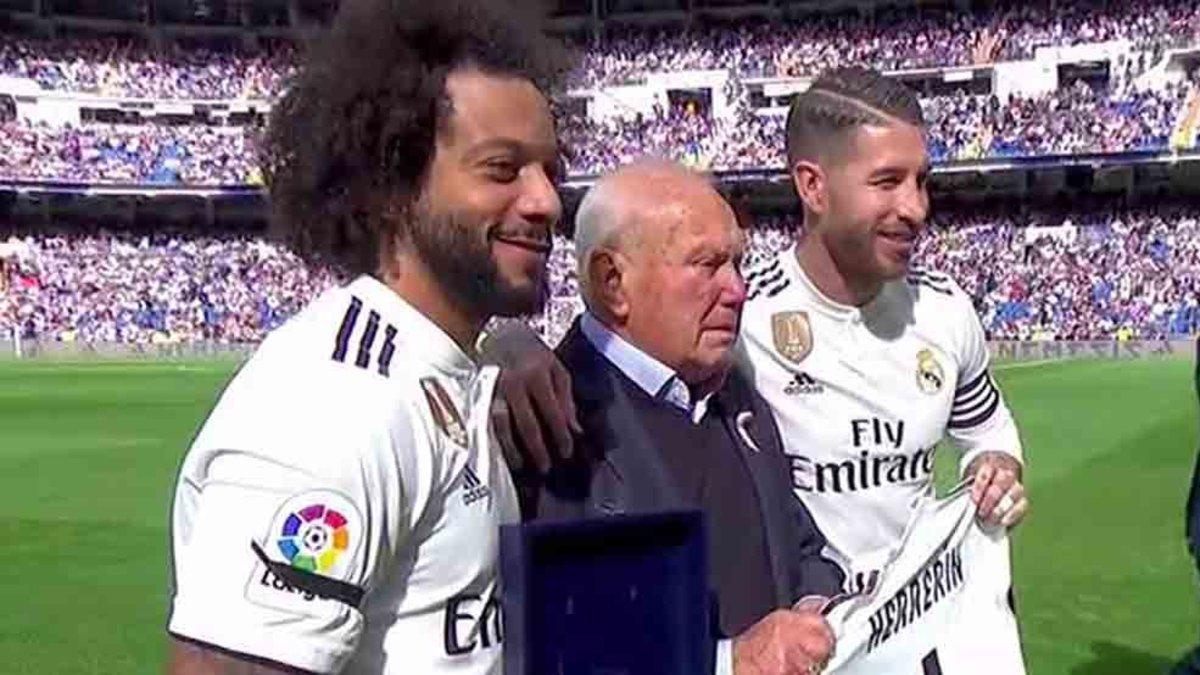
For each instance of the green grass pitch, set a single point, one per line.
(88, 453)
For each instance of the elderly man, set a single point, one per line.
(668, 424)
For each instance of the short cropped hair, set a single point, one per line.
(841, 100)
(354, 135)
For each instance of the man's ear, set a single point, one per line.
(811, 185)
(608, 276)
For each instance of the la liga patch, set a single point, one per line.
(317, 532)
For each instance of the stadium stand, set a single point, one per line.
(1090, 272)
(890, 40)
(1078, 119)
(1096, 271)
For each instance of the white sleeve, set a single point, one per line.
(979, 419)
(274, 549)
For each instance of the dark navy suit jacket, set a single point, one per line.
(620, 469)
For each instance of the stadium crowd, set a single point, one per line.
(1091, 273)
(1073, 120)
(122, 68)
(109, 287)
(146, 153)
(888, 39)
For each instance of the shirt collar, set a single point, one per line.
(647, 372)
(420, 335)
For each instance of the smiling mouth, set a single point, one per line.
(529, 244)
(901, 237)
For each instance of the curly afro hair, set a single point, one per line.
(354, 134)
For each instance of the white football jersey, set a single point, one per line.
(863, 395)
(939, 606)
(340, 508)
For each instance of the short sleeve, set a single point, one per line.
(275, 544)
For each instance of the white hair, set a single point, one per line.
(604, 212)
(597, 224)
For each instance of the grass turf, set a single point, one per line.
(88, 453)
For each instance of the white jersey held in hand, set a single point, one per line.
(939, 606)
(863, 396)
(339, 510)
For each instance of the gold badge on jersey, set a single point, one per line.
(929, 372)
(793, 335)
(445, 414)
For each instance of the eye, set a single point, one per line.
(502, 170)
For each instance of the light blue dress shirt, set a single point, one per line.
(647, 372)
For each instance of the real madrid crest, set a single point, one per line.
(793, 335)
(929, 372)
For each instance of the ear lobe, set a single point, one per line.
(809, 181)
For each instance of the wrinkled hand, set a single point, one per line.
(534, 393)
(785, 642)
(997, 490)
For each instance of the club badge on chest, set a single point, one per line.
(793, 335)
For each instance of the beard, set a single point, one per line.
(459, 255)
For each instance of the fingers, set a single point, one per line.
(549, 408)
(566, 396)
(784, 642)
(983, 479)
(810, 642)
(1020, 506)
(529, 429)
(998, 498)
(502, 428)
(987, 504)
(1016, 515)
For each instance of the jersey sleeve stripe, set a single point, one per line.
(931, 285)
(969, 410)
(977, 419)
(969, 400)
(368, 338)
(768, 280)
(972, 384)
(387, 351)
(762, 271)
(779, 289)
(342, 345)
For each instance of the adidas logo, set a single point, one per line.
(474, 489)
(803, 383)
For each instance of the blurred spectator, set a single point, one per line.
(1090, 273)
(888, 39)
(148, 153)
(112, 67)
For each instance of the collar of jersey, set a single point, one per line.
(420, 335)
(821, 301)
